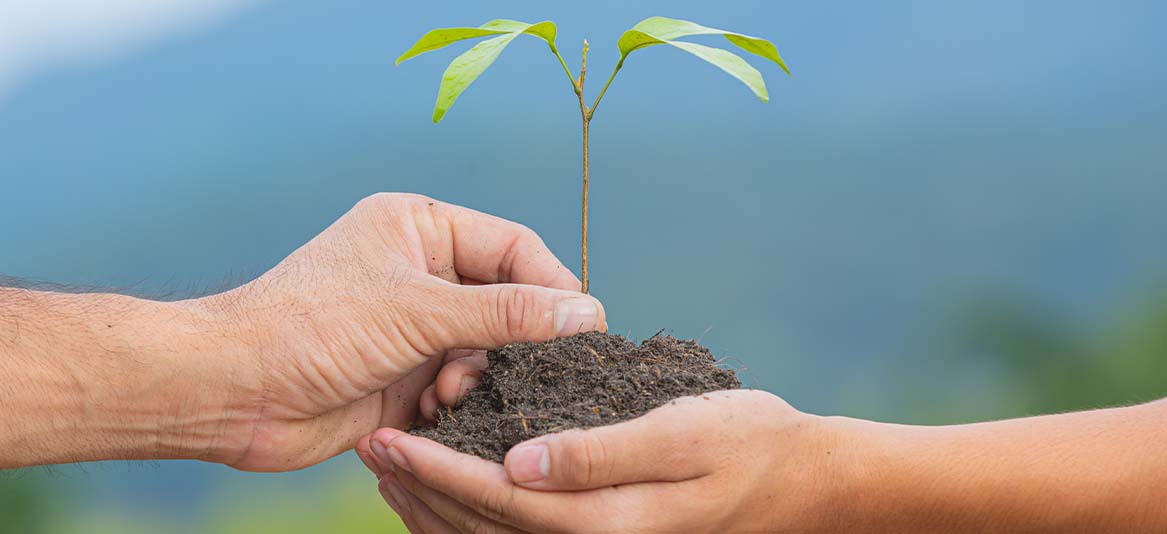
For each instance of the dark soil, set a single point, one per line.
(587, 380)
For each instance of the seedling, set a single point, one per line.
(466, 68)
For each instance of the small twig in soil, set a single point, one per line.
(599, 359)
(529, 417)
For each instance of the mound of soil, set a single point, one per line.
(587, 380)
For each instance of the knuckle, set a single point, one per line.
(496, 505)
(520, 232)
(372, 205)
(587, 459)
(382, 201)
(377, 200)
(516, 311)
(476, 524)
(768, 400)
(524, 239)
(529, 235)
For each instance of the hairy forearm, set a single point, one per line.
(1102, 470)
(101, 376)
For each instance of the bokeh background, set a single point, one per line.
(951, 212)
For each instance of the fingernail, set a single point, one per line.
(379, 452)
(465, 385)
(575, 315)
(398, 458)
(530, 463)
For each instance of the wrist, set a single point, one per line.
(824, 468)
(851, 485)
(897, 478)
(104, 377)
(857, 476)
(226, 394)
(184, 386)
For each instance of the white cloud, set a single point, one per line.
(40, 35)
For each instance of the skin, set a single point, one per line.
(344, 336)
(746, 461)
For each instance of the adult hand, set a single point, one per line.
(350, 328)
(337, 340)
(730, 461)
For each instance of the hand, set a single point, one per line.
(349, 329)
(730, 461)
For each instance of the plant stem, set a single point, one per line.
(584, 234)
(575, 87)
(600, 96)
(586, 117)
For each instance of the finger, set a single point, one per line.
(669, 444)
(365, 453)
(396, 498)
(428, 404)
(476, 488)
(421, 517)
(490, 316)
(478, 484)
(493, 250)
(394, 501)
(453, 512)
(458, 354)
(427, 521)
(457, 378)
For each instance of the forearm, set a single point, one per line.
(1102, 470)
(99, 376)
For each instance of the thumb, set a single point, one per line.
(490, 316)
(665, 445)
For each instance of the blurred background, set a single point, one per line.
(951, 212)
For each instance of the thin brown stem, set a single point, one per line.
(587, 119)
(584, 234)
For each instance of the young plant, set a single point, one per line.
(651, 31)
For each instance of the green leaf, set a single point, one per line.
(471, 64)
(443, 37)
(660, 30)
(730, 63)
(465, 69)
(544, 30)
